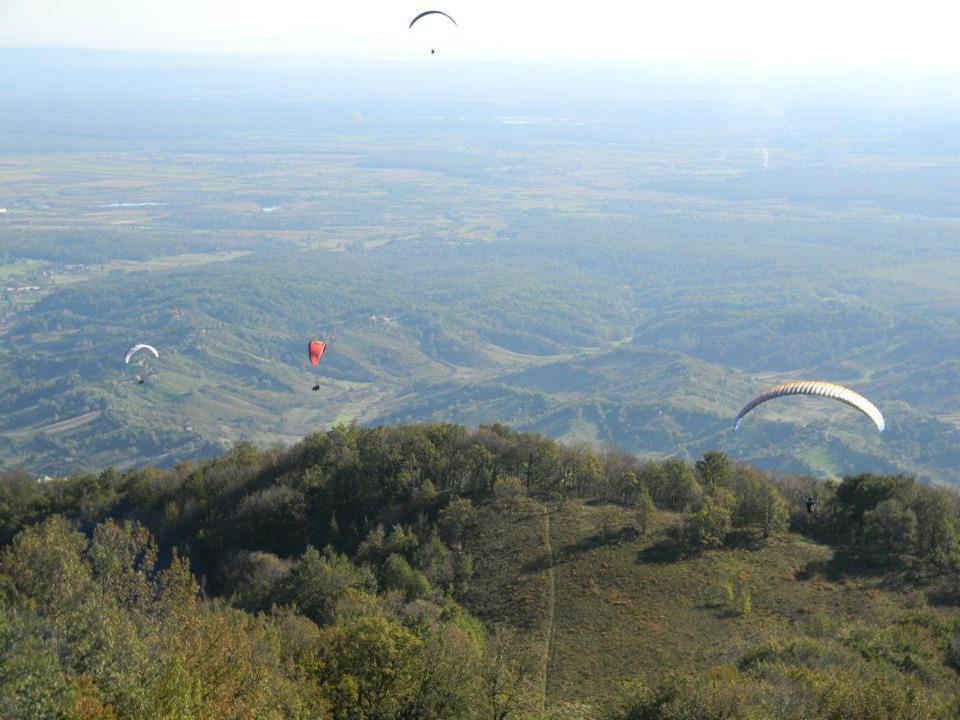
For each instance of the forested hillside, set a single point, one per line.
(428, 571)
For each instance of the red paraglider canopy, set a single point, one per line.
(315, 350)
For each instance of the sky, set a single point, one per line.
(919, 35)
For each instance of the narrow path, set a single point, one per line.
(57, 427)
(551, 608)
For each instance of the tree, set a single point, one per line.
(508, 490)
(123, 559)
(624, 486)
(19, 494)
(251, 578)
(580, 469)
(758, 504)
(707, 525)
(397, 574)
(620, 472)
(373, 547)
(482, 470)
(449, 681)
(859, 494)
(458, 520)
(507, 673)
(370, 667)
(642, 511)
(107, 636)
(538, 461)
(400, 541)
(714, 470)
(275, 519)
(890, 529)
(609, 522)
(316, 582)
(675, 487)
(936, 541)
(433, 559)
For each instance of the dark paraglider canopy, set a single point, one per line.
(431, 12)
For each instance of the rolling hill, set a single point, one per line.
(476, 570)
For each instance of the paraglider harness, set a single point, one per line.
(809, 502)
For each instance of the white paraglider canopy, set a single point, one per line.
(137, 348)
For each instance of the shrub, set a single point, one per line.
(708, 525)
(642, 511)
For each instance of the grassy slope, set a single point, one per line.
(635, 608)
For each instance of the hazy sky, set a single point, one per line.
(922, 34)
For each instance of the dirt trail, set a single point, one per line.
(551, 608)
(70, 424)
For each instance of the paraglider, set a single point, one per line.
(424, 14)
(431, 12)
(138, 348)
(809, 502)
(315, 350)
(818, 389)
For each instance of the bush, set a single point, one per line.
(609, 522)
(759, 505)
(708, 525)
(642, 511)
(728, 594)
(953, 650)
